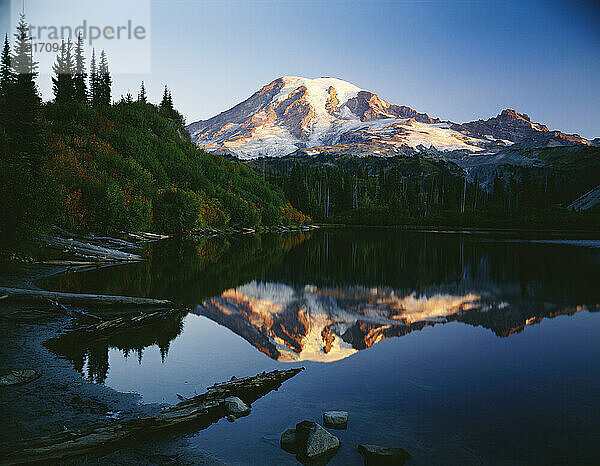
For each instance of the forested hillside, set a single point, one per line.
(86, 163)
(424, 191)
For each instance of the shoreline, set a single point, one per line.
(454, 229)
(61, 398)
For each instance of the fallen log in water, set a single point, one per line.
(78, 298)
(88, 251)
(78, 313)
(105, 328)
(145, 236)
(193, 414)
(105, 241)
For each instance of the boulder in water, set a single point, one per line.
(18, 377)
(315, 442)
(236, 407)
(335, 419)
(288, 441)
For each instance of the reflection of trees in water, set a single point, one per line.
(417, 262)
(536, 280)
(189, 271)
(186, 270)
(90, 356)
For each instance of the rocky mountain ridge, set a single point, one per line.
(328, 115)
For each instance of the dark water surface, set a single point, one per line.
(463, 348)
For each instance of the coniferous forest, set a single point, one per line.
(88, 162)
(419, 190)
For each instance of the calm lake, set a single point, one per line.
(462, 348)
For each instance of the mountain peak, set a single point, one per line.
(323, 81)
(511, 113)
(329, 114)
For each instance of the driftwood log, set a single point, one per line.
(105, 241)
(88, 251)
(78, 298)
(105, 328)
(74, 312)
(192, 414)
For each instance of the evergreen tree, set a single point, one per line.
(104, 81)
(7, 76)
(7, 80)
(22, 60)
(80, 74)
(94, 82)
(129, 98)
(63, 84)
(25, 198)
(167, 110)
(142, 94)
(166, 104)
(23, 102)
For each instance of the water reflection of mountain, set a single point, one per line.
(329, 324)
(89, 356)
(329, 293)
(370, 285)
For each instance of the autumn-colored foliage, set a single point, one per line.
(128, 167)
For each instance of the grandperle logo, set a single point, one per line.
(50, 38)
(88, 32)
(119, 28)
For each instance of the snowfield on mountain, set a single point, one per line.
(329, 115)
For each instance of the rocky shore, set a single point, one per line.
(58, 398)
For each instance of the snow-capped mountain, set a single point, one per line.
(329, 115)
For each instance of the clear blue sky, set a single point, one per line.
(460, 60)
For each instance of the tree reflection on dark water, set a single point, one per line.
(385, 282)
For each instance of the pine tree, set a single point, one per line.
(167, 110)
(93, 79)
(7, 76)
(80, 74)
(24, 101)
(104, 81)
(166, 104)
(23, 187)
(7, 80)
(63, 84)
(129, 98)
(142, 94)
(22, 60)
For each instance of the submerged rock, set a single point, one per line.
(335, 419)
(314, 442)
(375, 455)
(288, 441)
(236, 407)
(17, 377)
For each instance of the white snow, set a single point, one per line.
(318, 90)
(271, 139)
